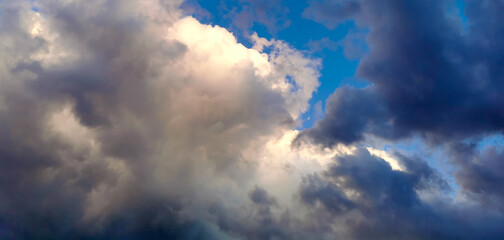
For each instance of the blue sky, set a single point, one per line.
(136, 119)
(337, 69)
(303, 33)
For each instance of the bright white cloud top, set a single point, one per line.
(131, 120)
(135, 103)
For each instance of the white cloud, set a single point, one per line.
(129, 99)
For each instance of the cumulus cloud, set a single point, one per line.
(360, 196)
(130, 120)
(126, 119)
(428, 77)
(479, 173)
(432, 80)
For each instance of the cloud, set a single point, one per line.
(321, 44)
(123, 119)
(431, 80)
(127, 120)
(479, 173)
(272, 14)
(353, 45)
(428, 78)
(360, 196)
(350, 112)
(331, 12)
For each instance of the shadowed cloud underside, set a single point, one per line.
(136, 120)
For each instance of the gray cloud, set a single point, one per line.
(123, 120)
(330, 12)
(429, 77)
(113, 127)
(244, 14)
(479, 172)
(365, 199)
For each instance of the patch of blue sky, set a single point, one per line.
(337, 68)
(461, 5)
(496, 140)
(481, 143)
(458, 11)
(33, 7)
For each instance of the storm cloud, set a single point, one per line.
(132, 120)
(429, 75)
(435, 76)
(362, 196)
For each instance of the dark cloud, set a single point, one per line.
(46, 179)
(373, 180)
(261, 197)
(480, 172)
(112, 128)
(350, 113)
(363, 196)
(316, 189)
(428, 77)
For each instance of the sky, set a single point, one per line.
(289, 23)
(251, 119)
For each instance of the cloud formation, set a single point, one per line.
(361, 197)
(428, 77)
(245, 13)
(130, 120)
(433, 78)
(125, 119)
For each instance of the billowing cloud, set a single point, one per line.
(130, 120)
(360, 196)
(479, 173)
(126, 119)
(428, 77)
(434, 78)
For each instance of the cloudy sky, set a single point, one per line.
(251, 119)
